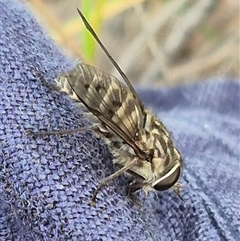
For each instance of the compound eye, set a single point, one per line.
(169, 181)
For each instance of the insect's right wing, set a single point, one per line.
(109, 100)
(128, 83)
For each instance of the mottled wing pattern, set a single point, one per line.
(108, 99)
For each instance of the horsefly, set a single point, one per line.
(140, 143)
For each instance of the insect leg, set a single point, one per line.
(131, 189)
(51, 86)
(60, 132)
(111, 177)
(176, 189)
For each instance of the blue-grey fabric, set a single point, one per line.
(46, 183)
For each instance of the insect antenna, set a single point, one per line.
(125, 78)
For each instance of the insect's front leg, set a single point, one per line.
(131, 189)
(111, 177)
(176, 189)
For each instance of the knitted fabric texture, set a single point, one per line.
(46, 182)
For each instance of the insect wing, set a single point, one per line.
(109, 100)
(90, 29)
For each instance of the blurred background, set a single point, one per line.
(156, 42)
